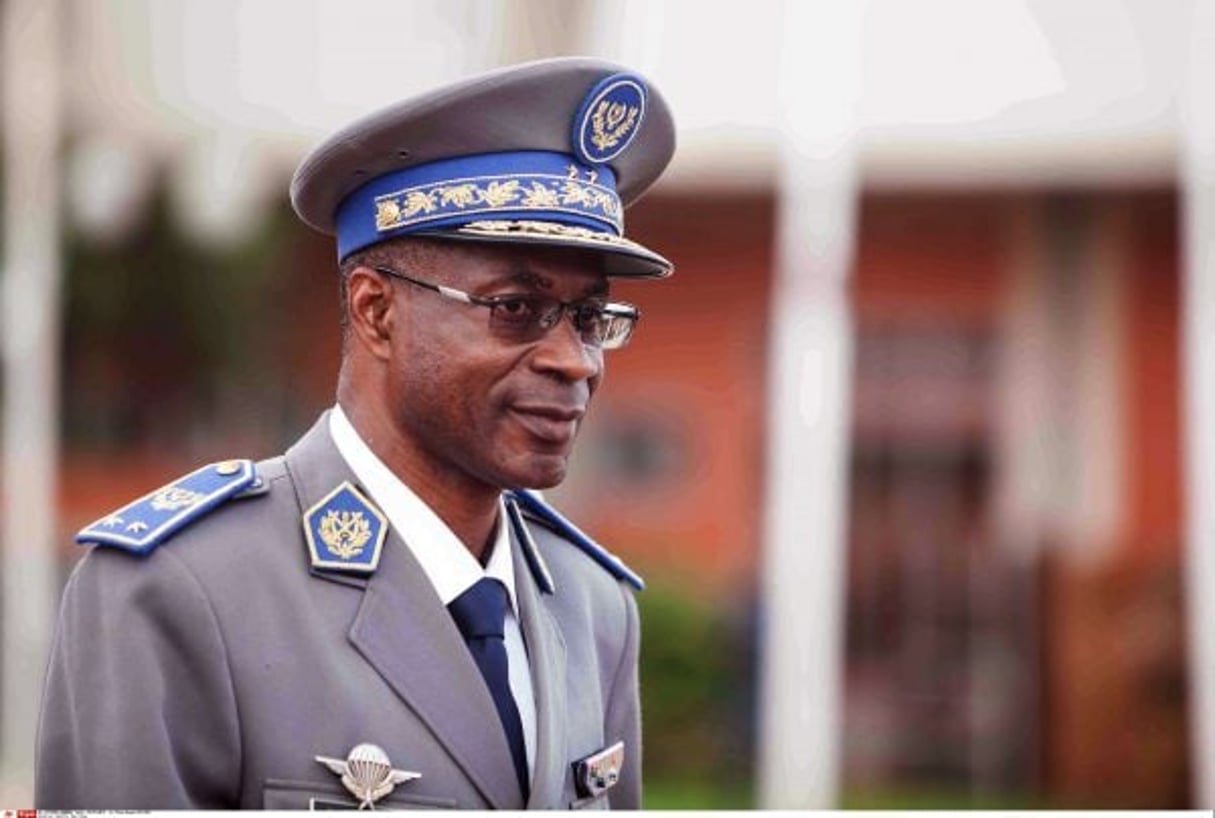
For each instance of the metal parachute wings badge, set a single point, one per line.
(367, 773)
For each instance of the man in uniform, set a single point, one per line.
(386, 615)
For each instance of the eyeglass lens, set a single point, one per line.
(528, 317)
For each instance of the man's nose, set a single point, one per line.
(561, 351)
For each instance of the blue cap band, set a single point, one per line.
(445, 195)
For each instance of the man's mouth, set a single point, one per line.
(551, 423)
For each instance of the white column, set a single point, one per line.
(1058, 405)
(1198, 299)
(809, 384)
(31, 99)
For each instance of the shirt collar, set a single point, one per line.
(448, 565)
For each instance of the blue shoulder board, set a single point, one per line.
(140, 526)
(594, 550)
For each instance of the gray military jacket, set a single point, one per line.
(211, 672)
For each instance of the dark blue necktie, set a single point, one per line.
(480, 614)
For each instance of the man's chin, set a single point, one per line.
(540, 472)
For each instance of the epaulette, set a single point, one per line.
(140, 526)
(532, 503)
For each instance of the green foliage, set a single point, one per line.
(671, 793)
(911, 798)
(695, 687)
(165, 333)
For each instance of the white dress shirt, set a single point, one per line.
(448, 565)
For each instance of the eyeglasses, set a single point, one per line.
(527, 317)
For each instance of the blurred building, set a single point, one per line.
(1014, 627)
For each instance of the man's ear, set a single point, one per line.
(372, 310)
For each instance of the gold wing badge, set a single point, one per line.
(367, 773)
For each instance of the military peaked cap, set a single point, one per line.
(547, 152)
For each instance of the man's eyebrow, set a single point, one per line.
(528, 278)
(534, 281)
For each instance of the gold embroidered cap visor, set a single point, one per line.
(548, 152)
(621, 257)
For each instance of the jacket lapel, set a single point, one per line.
(406, 634)
(546, 656)
(404, 631)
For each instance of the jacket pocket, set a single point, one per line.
(303, 795)
(599, 801)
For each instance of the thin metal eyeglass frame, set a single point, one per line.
(612, 309)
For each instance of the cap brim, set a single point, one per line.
(622, 258)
